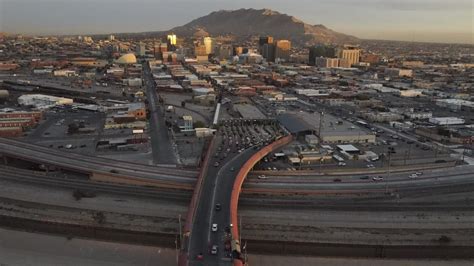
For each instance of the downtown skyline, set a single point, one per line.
(419, 20)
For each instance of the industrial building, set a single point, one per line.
(328, 128)
(446, 121)
(42, 101)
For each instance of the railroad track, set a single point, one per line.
(300, 201)
(93, 186)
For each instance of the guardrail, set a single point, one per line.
(237, 188)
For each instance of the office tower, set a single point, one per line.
(141, 49)
(111, 37)
(225, 51)
(171, 39)
(208, 45)
(351, 53)
(262, 41)
(282, 50)
(268, 52)
(320, 51)
(238, 50)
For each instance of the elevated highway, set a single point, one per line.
(91, 165)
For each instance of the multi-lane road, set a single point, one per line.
(162, 148)
(87, 164)
(216, 192)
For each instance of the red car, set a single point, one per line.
(200, 256)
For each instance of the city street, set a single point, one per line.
(163, 152)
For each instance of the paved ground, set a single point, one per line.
(22, 248)
(25, 249)
(265, 260)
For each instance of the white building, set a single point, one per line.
(411, 93)
(187, 124)
(133, 82)
(455, 104)
(42, 101)
(310, 92)
(64, 73)
(446, 121)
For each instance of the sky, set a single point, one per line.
(409, 20)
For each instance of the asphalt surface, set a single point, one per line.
(87, 164)
(400, 181)
(217, 188)
(162, 148)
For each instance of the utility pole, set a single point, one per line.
(176, 248)
(240, 229)
(180, 233)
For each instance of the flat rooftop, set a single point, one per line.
(303, 121)
(249, 111)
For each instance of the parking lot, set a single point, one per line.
(54, 131)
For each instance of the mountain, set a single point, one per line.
(252, 22)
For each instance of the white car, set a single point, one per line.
(377, 178)
(341, 164)
(214, 250)
(413, 176)
(262, 177)
(214, 228)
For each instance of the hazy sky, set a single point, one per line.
(413, 20)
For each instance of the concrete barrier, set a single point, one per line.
(183, 256)
(237, 188)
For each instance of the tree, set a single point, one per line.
(183, 104)
(199, 124)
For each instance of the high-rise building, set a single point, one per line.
(268, 52)
(171, 39)
(320, 51)
(225, 51)
(141, 49)
(208, 45)
(238, 50)
(262, 41)
(351, 53)
(111, 37)
(282, 50)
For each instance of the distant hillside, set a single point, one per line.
(252, 22)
